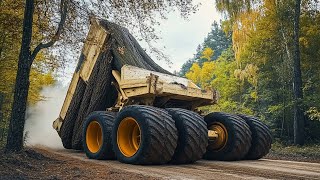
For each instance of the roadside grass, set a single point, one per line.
(291, 152)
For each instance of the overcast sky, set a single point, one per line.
(181, 37)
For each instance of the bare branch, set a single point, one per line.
(55, 38)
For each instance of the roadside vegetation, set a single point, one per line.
(249, 58)
(308, 152)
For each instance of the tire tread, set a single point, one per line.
(261, 138)
(193, 136)
(161, 134)
(239, 141)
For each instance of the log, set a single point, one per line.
(132, 54)
(98, 94)
(66, 131)
(94, 98)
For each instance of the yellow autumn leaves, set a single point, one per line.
(201, 75)
(10, 41)
(210, 72)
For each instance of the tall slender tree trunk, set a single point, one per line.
(297, 81)
(17, 120)
(26, 58)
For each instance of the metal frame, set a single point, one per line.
(135, 88)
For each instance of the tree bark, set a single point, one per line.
(17, 120)
(297, 81)
(96, 100)
(83, 110)
(66, 131)
(133, 53)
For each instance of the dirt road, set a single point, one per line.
(260, 169)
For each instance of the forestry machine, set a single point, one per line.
(152, 116)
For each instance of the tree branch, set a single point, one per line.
(55, 38)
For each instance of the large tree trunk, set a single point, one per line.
(16, 127)
(297, 82)
(66, 131)
(98, 93)
(17, 120)
(98, 88)
(133, 53)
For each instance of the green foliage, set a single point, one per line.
(217, 40)
(313, 113)
(255, 75)
(312, 151)
(219, 75)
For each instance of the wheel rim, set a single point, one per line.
(94, 136)
(129, 136)
(222, 139)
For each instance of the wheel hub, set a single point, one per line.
(94, 136)
(219, 137)
(129, 136)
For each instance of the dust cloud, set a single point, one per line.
(38, 127)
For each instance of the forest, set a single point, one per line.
(248, 57)
(41, 75)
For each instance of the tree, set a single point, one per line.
(133, 13)
(11, 20)
(220, 75)
(26, 59)
(217, 40)
(262, 33)
(297, 80)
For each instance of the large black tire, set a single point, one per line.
(105, 121)
(238, 136)
(158, 137)
(261, 138)
(193, 136)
